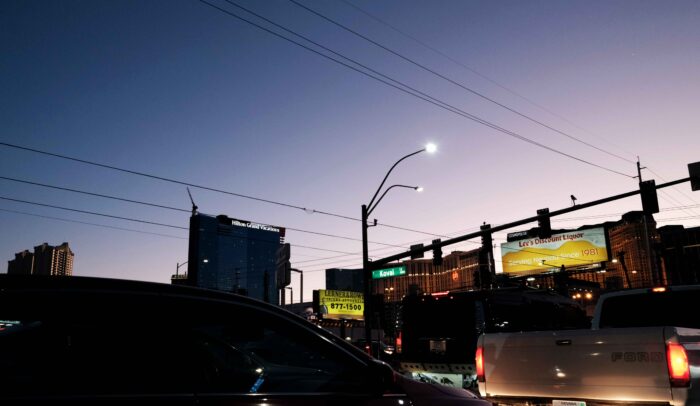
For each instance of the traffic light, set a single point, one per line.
(545, 227)
(650, 202)
(283, 266)
(486, 239)
(437, 253)
(417, 251)
(694, 172)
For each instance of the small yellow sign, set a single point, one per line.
(339, 304)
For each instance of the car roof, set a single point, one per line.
(95, 284)
(640, 291)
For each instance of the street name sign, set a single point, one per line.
(389, 272)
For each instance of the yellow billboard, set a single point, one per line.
(571, 249)
(340, 304)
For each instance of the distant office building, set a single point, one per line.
(680, 250)
(46, 260)
(344, 279)
(22, 264)
(234, 256)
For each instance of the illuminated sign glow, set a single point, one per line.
(389, 272)
(339, 304)
(571, 249)
(255, 226)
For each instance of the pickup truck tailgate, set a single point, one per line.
(621, 364)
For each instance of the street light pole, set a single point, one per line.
(366, 267)
(366, 279)
(177, 268)
(291, 295)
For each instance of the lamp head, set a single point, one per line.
(419, 188)
(430, 148)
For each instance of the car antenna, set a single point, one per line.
(194, 206)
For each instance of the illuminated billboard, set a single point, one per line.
(571, 249)
(340, 304)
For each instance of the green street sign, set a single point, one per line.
(389, 272)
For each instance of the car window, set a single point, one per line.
(282, 355)
(102, 344)
(658, 309)
(49, 356)
(513, 313)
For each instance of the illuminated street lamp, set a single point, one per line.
(367, 209)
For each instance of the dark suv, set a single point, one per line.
(88, 340)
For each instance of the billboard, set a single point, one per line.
(571, 249)
(340, 304)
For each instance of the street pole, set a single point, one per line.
(366, 279)
(367, 209)
(301, 284)
(650, 262)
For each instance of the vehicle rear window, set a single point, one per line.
(513, 313)
(671, 308)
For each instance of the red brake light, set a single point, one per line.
(480, 365)
(678, 368)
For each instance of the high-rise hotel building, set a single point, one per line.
(45, 260)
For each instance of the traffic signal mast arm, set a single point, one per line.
(384, 261)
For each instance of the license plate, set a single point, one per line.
(568, 403)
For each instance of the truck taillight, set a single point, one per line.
(480, 365)
(678, 367)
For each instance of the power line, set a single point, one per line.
(405, 88)
(93, 224)
(678, 219)
(460, 85)
(151, 222)
(93, 213)
(178, 182)
(132, 172)
(676, 188)
(178, 209)
(481, 75)
(93, 194)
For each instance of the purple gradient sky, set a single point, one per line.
(178, 89)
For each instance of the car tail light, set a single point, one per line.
(480, 365)
(678, 367)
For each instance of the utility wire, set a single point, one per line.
(481, 75)
(405, 87)
(178, 209)
(676, 188)
(149, 222)
(93, 194)
(460, 85)
(93, 213)
(677, 219)
(93, 224)
(132, 172)
(178, 182)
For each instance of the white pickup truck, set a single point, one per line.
(643, 348)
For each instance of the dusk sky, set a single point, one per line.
(181, 90)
